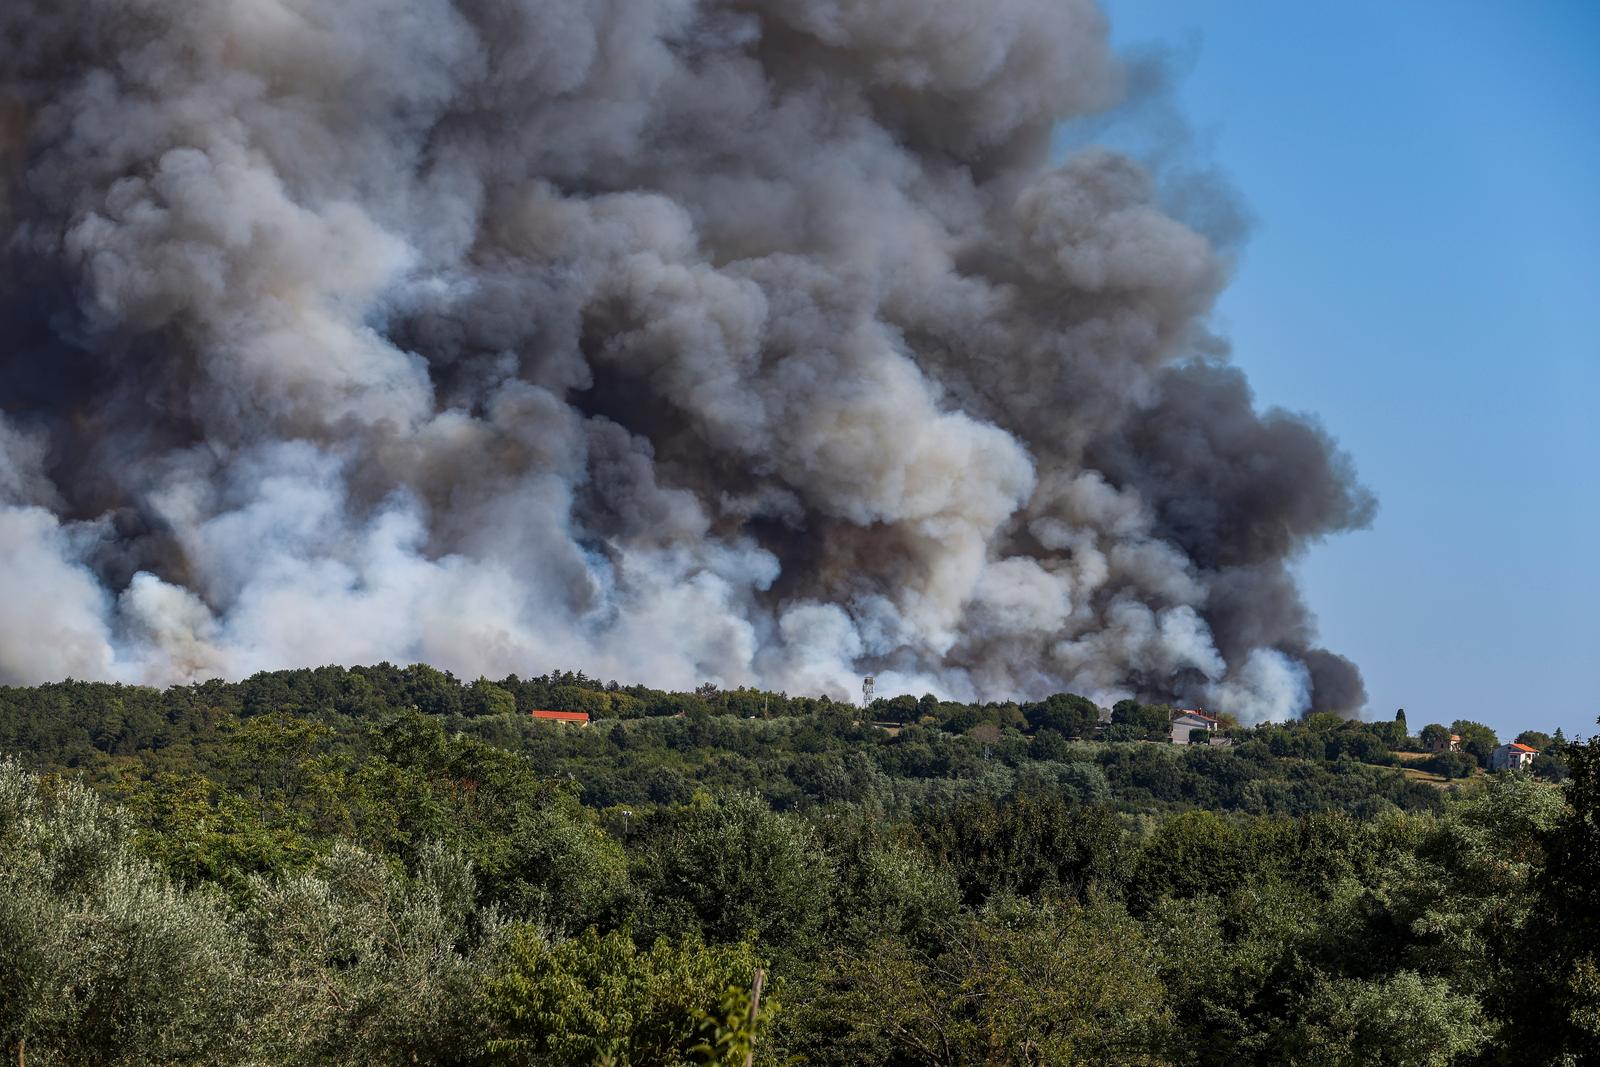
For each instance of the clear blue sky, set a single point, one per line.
(1423, 273)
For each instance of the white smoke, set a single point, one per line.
(731, 340)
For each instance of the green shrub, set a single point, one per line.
(600, 999)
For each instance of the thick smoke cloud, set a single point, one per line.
(741, 340)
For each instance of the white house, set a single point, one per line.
(1185, 721)
(1512, 757)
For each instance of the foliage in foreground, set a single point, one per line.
(292, 884)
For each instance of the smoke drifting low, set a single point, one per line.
(756, 341)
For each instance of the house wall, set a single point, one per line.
(1179, 734)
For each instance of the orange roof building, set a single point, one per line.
(1452, 745)
(1514, 756)
(579, 717)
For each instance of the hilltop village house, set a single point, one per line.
(577, 718)
(1512, 757)
(1184, 722)
(1452, 745)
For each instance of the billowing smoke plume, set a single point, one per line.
(757, 341)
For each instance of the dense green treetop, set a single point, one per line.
(386, 865)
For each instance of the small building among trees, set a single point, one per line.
(1515, 756)
(577, 718)
(1185, 723)
(1436, 738)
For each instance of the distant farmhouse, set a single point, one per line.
(1185, 722)
(1512, 757)
(1452, 745)
(577, 718)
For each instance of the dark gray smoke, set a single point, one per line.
(748, 341)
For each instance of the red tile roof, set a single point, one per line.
(561, 716)
(1197, 714)
(1518, 746)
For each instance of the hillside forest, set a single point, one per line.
(387, 864)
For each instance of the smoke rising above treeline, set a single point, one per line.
(758, 342)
